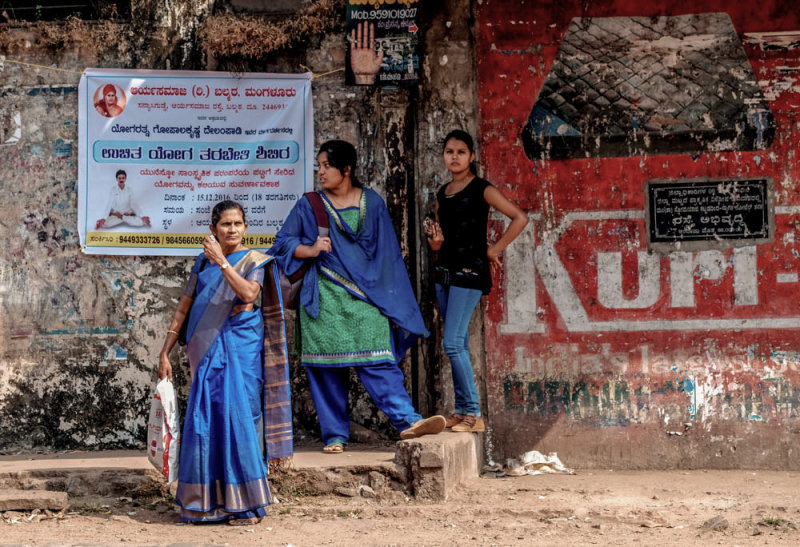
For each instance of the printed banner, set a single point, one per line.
(383, 38)
(158, 149)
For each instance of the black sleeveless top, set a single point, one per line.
(464, 217)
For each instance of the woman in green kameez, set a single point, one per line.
(356, 307)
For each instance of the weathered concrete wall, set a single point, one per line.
(80, 335)
(598, 348)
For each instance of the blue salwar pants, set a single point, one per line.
(384, 383)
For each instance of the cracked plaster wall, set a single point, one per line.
(80, 335)
(597, 347)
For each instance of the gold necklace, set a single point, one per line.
(348, 202)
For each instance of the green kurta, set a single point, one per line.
(348, 331)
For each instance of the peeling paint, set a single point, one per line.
(79, 335)
(631, 351)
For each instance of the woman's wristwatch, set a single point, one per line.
(226, 265)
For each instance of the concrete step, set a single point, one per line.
(30, 500)
(430, 467)
(79, 474)
(435, 465)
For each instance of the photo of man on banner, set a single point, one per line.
(122, 208)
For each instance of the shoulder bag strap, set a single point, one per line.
(320, 213)
(323, 226)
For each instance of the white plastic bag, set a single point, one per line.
(163, 431)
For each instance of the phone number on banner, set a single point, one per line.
(122, 239)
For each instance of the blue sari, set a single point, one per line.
(238, 419)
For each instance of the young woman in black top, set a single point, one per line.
(464, 264)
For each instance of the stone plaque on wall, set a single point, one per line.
(700, 214)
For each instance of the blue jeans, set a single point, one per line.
(456, 305)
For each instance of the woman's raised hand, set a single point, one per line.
(164, 367)
(213, 250)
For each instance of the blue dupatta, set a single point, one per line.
(367, 262)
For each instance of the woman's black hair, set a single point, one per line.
(223, 206)
(466, 138)
(341, 154)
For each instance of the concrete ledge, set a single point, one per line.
(360, 471)
(28, 500)
(78, 482)
(434, 465)
(428, 468)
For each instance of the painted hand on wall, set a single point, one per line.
(365, 62)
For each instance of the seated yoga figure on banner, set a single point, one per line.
(122, 208)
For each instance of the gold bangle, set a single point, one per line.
(173, 332)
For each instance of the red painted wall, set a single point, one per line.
(705, 372)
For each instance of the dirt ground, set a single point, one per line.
(589, 508)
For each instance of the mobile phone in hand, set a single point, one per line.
(428, 226)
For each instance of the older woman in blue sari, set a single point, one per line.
(238, 418)
(356, 305)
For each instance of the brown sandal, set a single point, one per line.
(334, 447)
(455, 419)
(428, 426)
(471, 424)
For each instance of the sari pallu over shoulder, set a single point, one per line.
(211, 308)
(277, 393)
